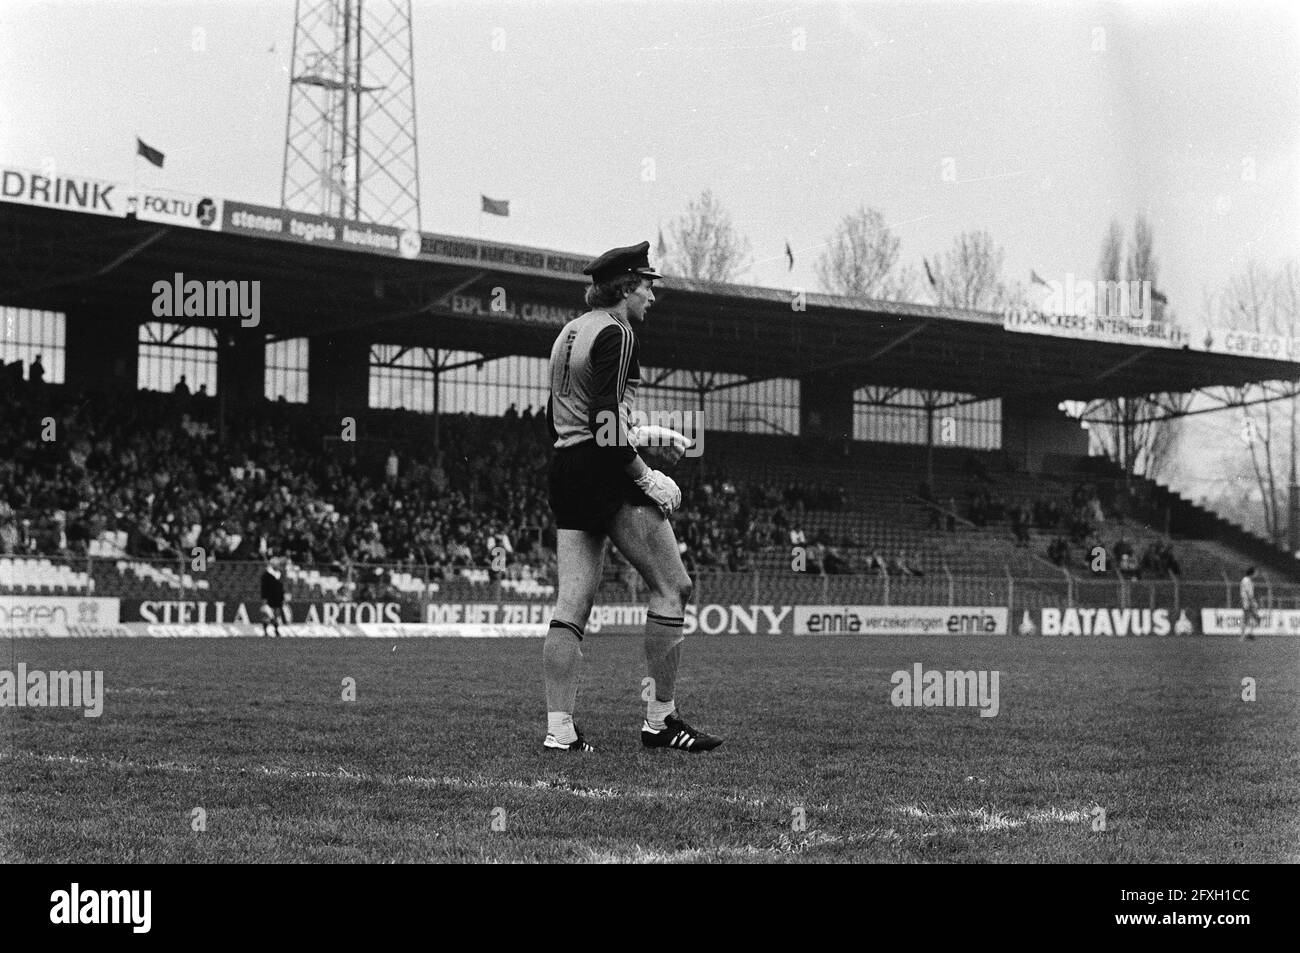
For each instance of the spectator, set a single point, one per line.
(899, 566)
(182, 389)
(1080, 526)
(36, 372)
(914, 567)
(1124, 557)
(9, 536)
(876, 564)
(976, 469)
(1042, 515)
(927, 497)
(1169, 561)
(1020, 517)
(1149, 565)
(1094, 510)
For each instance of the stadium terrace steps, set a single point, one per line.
(1210, 559)
(882, 510)
(1190, 521)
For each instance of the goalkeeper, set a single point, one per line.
(601, 487)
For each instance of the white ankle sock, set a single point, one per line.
(560, 724)
(656, 711)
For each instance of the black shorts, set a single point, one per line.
(588, 486)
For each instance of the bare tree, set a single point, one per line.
(1143, 431)
(1017, 295)
(969, 275)
(861, 259)
(1264, 302)
(1111, 265)
(704, 244)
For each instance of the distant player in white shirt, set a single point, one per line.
(1249, 606)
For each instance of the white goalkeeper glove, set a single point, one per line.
(662, 489)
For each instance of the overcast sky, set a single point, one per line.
(1057, 118)
(1050, 135)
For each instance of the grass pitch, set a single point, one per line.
(439, 757)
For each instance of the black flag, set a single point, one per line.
(149, 152)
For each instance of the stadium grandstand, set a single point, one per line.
(373, 414)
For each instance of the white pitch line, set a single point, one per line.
(785, 846)
(984, 820)
(132, 690)
(639, 855)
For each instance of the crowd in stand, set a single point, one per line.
(151, 473)
(149, 476)
(1158, 560)
(1076, 525)
(724, 523)
(1078, 530)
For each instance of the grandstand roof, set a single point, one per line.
(60, 260)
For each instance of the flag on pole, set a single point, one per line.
(789, 254)
(930, 274)
(149, 152)
(495, 206)
(661, 249)
(1034, 277)
(1157, 296)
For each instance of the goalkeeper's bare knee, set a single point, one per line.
(676, 593)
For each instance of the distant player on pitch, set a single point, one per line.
(1250, 616)
(600, 486)
(273, 597)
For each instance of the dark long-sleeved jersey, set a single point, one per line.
(594, 377)
(272, 589)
